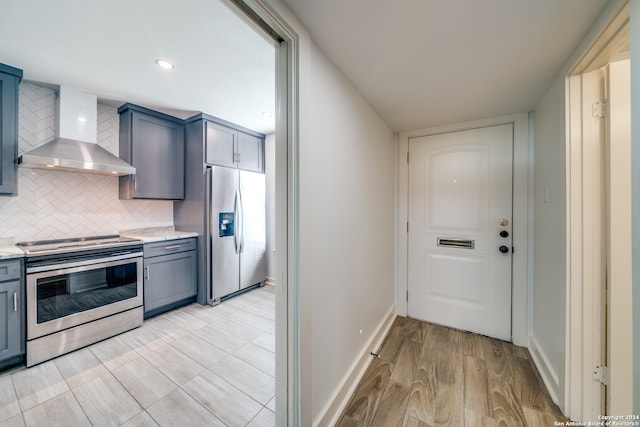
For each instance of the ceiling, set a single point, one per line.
(419, 63)
(108, 48)
(425, 63)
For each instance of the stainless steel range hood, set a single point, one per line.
(75, 148)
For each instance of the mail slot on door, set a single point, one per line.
(457, 243)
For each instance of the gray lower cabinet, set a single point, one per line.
(153, 143)
(170, 275)
(12, 325)
(9, 80)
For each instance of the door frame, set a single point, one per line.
(522, 238)
(581, 398)
(267, 21)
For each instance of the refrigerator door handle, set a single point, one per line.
(241, 222)
(237, 212)
(209, 231)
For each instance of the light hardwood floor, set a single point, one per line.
(429, 375)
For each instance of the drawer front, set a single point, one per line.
(9, 270)
(167, 247)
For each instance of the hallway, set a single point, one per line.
(429, 375)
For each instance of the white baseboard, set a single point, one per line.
(548, 374)
(329, 416)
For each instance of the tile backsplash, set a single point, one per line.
(54, 204)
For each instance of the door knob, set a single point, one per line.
(504, 222)
(504, 249)
(504, 233)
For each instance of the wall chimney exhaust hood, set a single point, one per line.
(75, 148)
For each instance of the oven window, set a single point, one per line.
(66, 294)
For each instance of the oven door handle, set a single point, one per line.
(96, 261)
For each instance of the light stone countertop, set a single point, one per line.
(8, 250)
(157, 234)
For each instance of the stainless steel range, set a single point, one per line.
(80, 291)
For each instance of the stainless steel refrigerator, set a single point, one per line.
(235, 204)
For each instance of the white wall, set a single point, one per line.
(549, 230)
(345, 217)
(346, 225)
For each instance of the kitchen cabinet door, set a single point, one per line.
(169, 280)
(250, 153)
(154, 144)
(220, 145)
(11, 343)
(226, 146)
(9, 80)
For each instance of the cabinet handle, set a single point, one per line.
(168, 248)
(15, 301)
(135, 184)
(148, 268)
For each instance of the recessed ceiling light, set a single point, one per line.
(267, 114)
(164, 64)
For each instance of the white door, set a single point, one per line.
(460, 209)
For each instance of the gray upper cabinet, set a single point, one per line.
(153, 143)
(221, 145)
(250, 152)
(9, 80)
(230, 145)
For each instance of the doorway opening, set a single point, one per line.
(599, 227)
(265, 19)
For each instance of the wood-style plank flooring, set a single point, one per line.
(429, 375)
